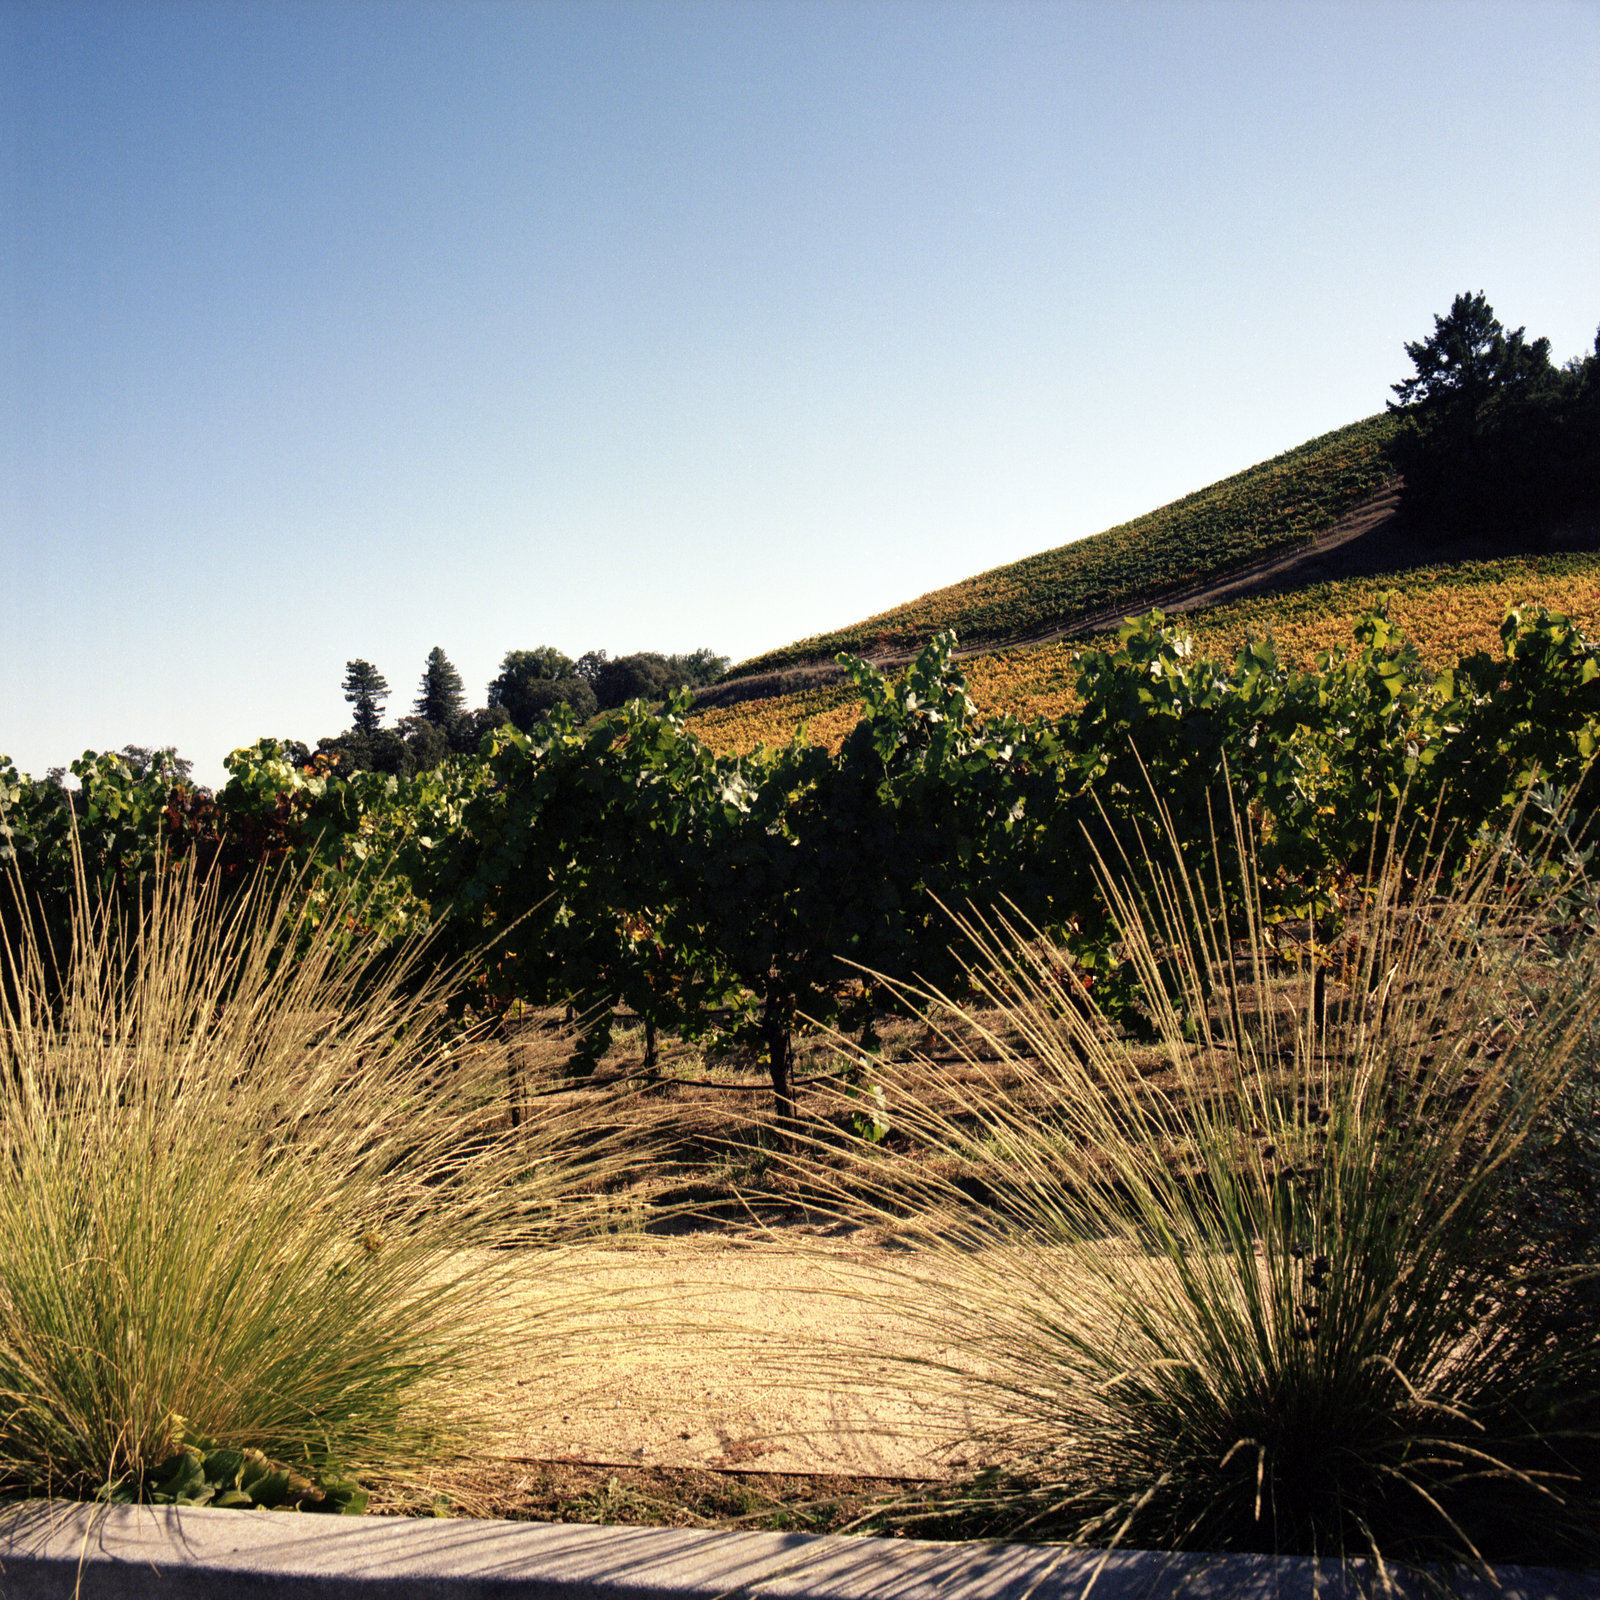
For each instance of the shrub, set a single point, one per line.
(248, 1199)
(645, 676)
(1265, 1287)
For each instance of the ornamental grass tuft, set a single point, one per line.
(1276, 1283)
(254, 1192)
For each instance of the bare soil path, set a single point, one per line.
(1360, 541)
(726, 1366)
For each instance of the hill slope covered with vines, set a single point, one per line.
(1259, 512)
(1447, 611)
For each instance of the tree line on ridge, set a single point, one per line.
(526, 690)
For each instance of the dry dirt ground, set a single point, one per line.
(741, 1365)
(738, 1378)
(726, 1364)
(765, 1367)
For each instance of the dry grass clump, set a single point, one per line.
(1281, 1296)
(252, 1199)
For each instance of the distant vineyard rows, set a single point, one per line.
(1446, 612)
(1265, 509)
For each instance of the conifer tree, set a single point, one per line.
(366, 689)
(440, 700)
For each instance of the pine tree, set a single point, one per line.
(366, 689)
(1468, 357)
(440, 700)
(1484, 441)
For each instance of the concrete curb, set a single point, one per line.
(53, 1550)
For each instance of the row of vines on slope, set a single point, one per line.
(626, 863)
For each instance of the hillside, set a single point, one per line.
(1446, 610)
(1276, 506)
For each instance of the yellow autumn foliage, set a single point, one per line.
(1446, 611)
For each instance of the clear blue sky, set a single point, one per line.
(348, 329)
